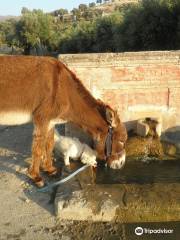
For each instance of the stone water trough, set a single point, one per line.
(147, 189)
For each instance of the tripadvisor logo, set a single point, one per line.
(139, 231)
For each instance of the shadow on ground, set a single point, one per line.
(15, 154)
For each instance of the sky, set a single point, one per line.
(13, 7)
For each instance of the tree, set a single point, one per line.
(25, 10)
(76, 12)
(99, 1)
(8, 33)
(105, 33)
(2, 38)
(91, 5)
(60, 12)
(88, 15)
(35, 29)
(152, 25)
(80, 38)
(82, 7)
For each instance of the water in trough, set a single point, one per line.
(141, 172)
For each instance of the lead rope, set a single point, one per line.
(53, 185)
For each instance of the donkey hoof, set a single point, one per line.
(39, 182)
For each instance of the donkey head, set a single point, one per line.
(111, 145)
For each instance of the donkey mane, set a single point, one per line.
(87, 96)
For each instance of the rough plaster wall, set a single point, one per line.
(143, 84)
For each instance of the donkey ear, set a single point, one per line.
(110, 117)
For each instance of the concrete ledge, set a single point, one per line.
(121, 202)
(142, 128)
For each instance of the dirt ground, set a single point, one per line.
(26, 214)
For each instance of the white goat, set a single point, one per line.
(74, 149)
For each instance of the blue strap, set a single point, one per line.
(53, 185)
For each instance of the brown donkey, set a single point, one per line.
(45, 91)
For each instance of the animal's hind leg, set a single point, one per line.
(38, 154)
(47, 164)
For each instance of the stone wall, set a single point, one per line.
(137, 84)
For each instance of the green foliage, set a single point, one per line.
(77, 13)
(95, 36)
(60, 12)
(79, 38)
(2, 40)
(24, 10)
(83, 7)
(106, 31)
(8, 33)
(92, 4)
(99, 1)
(151, 25)
(35, 29)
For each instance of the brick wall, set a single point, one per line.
(143, 84)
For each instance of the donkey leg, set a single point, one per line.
(38, 154)
(47, 164)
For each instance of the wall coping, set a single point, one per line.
(125, 58)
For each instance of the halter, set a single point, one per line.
(108, 142)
